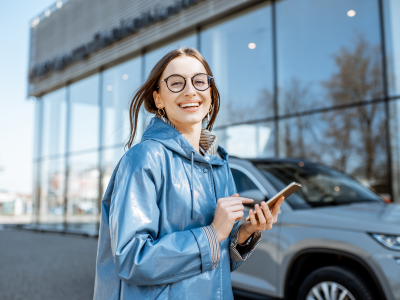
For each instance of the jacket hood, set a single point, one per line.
(160, 129)
(163, 131)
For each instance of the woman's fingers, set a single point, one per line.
(238, 215)
(260, 214)
(237, 207)
(235, 200)
(267, 213)
(277, 206)
(252, 216)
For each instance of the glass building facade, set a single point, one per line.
(315, 79)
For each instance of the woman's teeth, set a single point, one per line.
(189, 104)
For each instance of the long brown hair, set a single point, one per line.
(145, 93)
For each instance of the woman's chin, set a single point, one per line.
(188, 119)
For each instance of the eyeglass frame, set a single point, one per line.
(191, 77)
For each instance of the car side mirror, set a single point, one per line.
(254, 194)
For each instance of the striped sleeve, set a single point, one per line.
(212, 238)
(243, 251)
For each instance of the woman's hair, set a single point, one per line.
(145, 93)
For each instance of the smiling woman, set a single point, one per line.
(169, 221)
(183, 62)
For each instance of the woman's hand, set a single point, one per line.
(229, 210)
(265, 219)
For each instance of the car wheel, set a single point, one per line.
(333, 283)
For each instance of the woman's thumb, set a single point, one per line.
(235, 195)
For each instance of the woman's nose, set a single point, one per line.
(189, 88)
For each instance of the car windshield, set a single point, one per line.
(322, 186)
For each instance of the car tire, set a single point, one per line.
(341, 279)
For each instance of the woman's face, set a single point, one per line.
(173, 103)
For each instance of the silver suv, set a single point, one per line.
(335, 239)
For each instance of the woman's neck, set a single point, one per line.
(190, 132)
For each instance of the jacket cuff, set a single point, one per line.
(205, 254)
(243, 251)
(212, 238)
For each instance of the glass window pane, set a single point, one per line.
(84, 122)
(392, 36)
(54, 123)
(247, 140)
(395, 147)
(242, 182)
(152, 58)
(37, 145)
(119, 86)
(52, 188)
(352, 140)
(83, 188)
(328, 53)
(109, 160)
(239, 52)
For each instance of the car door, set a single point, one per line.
(259, 273)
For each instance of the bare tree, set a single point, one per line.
(359, 78)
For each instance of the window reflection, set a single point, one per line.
(324, 57)
(83, 188)
(119, 86)
(247, 140)
(52, 186)
(394, 115)
(352, 140)
(84, 120)
(392, 37)
(109, 161)
(151, 58)
(37, 129)
(239, 53)
(54, 123)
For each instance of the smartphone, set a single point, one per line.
(286, 192)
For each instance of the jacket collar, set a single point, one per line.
(208, 140)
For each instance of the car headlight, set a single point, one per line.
(388, 240)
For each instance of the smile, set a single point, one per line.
(190, 106)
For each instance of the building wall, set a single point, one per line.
(76, 22)
(298, 78)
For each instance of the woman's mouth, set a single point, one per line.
(190, 106)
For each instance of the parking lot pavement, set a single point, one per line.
(46, 266)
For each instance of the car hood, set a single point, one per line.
(367, 217)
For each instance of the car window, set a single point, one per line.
(246, 187)
(322, 186)
(242, 181)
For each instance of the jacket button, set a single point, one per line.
(205, 170)
(207, 158)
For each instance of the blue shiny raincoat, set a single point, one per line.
(151, 242)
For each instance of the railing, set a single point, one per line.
(48, 12)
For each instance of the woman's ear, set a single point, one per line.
(157, 100)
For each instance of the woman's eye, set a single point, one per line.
(176, 83)
(199, 82)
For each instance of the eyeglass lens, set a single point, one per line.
(176, 83)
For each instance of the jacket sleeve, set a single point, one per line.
(141, 257)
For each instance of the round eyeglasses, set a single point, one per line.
(176, 83)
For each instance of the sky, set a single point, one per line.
(16, 110)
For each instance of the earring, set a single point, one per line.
(163, 112)
(208, 114)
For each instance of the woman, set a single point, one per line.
(169, 216)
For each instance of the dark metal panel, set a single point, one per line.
(78, 21)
